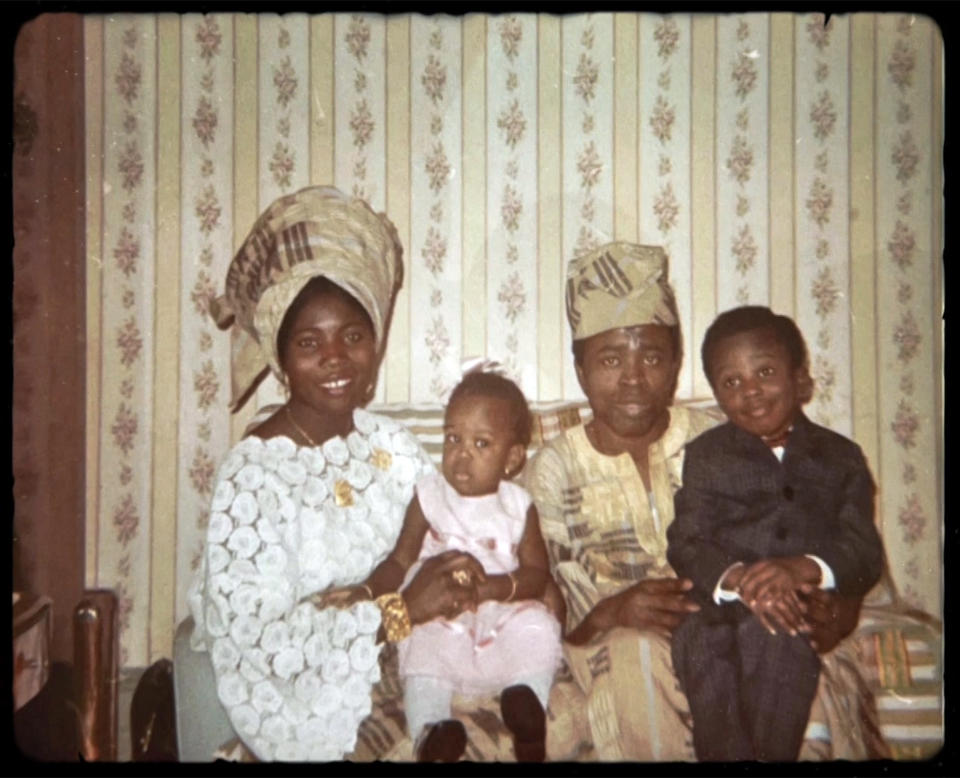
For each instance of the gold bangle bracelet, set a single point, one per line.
(394, 615)
(513, 591)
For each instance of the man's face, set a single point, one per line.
(629, 375)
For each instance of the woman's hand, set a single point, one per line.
(657, 604)
(341, 597)
(444, 587)
(830, 617)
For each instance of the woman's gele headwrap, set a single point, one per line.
(619, 285)
(317, 231)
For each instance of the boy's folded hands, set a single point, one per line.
(770, 588)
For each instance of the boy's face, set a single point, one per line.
(478, 446)
(756, 384)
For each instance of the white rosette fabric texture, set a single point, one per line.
(287, 522)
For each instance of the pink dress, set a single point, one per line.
(503, 642)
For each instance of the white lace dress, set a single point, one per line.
(285, 522)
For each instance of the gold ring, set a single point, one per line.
(461, 577)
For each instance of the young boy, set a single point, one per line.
(772, 505)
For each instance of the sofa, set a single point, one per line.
(900, 652)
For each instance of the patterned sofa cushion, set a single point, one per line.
(902, 662)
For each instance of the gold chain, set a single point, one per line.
(301, 430)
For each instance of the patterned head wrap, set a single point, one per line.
(317, 231)
(619, 285)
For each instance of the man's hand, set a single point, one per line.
(657, 604)
(830, 617)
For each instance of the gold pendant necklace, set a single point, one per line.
(301, 430)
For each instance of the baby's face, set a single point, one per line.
(478, 446)
(756, 384)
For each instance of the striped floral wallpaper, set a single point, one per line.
(778, 160)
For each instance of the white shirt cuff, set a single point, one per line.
(721, 595)
(827, 578)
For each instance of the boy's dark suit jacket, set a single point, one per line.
(738, 503)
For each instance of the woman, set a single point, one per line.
(313, 499)
(605, 495)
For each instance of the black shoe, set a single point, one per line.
(444, 741)
(527, 722)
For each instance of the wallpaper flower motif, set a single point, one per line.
(744, 74)
(824, 378)
(285, 81)
(437, 167)
(130, 165)
(907, 337)
(361, 124)
(744, 248)
(589, 166)
(740, 160)
(661, 120)
(513, 297)
(901, 64)
(818, 29)
(126, 520)
(823, 116)
(202, 471)
(913, 520)
(513, 123)
(358, 37)
(127, 78)
(208, 38)
(666, 208)
(438, 340)
(124, 428)
(905, 425)
(511, 33)
(207, 209)
(205, 121)
(126, 252)
(202, 293)
(282, 164)
(824, 290)
(206, 384)
(819, 202)
(586, 77)
(434, 79)
(511, 209)
(129, 342)
(667, 37)
(434, 250)
(905, 156)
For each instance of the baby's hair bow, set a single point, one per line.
(482, 365)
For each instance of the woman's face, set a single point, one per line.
(329, 356)
(629, 375)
